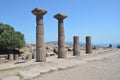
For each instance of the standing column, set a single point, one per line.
(76, 46)
(88, 44)
(61, 37)
(11, 57)
(40, 50)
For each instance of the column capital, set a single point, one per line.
(88, 36)
(60, 16)
(88, 39)
(38, 11)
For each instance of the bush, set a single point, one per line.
(9, 38)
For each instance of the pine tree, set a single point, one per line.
(9, 38)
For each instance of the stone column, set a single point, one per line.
(76, 46)
(88, 44)
(40, 50)
(61, 37)
(16, 56)
(11, 57)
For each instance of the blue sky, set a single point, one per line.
(97, 18)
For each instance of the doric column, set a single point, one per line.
(61, 37)
(11, 57)
(16, 56)
(76, 46)
(40, 51)
(88, 44)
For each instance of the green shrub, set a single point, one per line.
(9, 38)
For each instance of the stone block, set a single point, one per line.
(2, 60)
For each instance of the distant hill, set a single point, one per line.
(68, 43)
(83, 44)
(51, 42)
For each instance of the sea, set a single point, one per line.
(83, 44)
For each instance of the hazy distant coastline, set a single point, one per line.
(83, 44)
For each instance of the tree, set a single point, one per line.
(9, 38)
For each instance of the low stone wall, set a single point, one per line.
(4, 56)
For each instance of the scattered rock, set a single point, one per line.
(70, 49)
(29, 56)
(55, 50)
(51, 53)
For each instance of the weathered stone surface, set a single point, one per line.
(41, 57)
(34, 69)
(16, 56)
(44, 70)
(50, 53)
(11, 57)
(2, 60)
(40, 48)
(55, 50)
(27, 75)
(61, 52)
(29, 57)
(61, 37)
(49, 48)
(70, 49)
(51, 67)
(76, 40)
(11, 78)
(76, 46)
(60, 16)
(4, 56)
(88, 44)
(61, 66)
(38, 11)
(76, 50)
(61, 41)
(46, 67)
(24, 56)
(34, 55)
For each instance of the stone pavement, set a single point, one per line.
(34, 69)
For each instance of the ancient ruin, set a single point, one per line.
(61, 37)
(88, 44)
(40, 51)
(16, 56)
(76, 46)
(11, 57)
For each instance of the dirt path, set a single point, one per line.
(104, 69)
